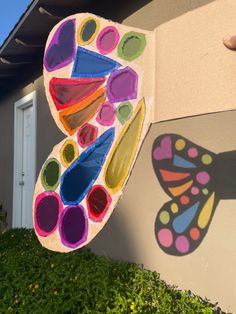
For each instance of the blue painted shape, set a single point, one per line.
(182, 222)
(80, 176)
(91, 64)
(183, 163)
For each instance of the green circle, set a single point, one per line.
(69, 153)
(206, 159)
(164, 217)
(205, 191)
(50, 174)
(124, 112)
(131, 46)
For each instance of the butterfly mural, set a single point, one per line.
(93, 77)
(196, 180)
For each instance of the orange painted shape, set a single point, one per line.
(176, 191)
(173, 176)
(75, 116)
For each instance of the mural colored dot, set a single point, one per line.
(87, 31)
(131, 46)
(195, 190)
(98, 202)
(73, 226)
(69, 152)
(164, 217)
(51, 174)
(195, 233)
(182, 244)
(87, 135)
(192, 152)
(106, 115)
(47, 212)
(165, 237)
(124, 112)
(174, 208)
(203, 177)
(180, 144)
(206, 159)
(184, 199)
(108, 39)
(205, 191)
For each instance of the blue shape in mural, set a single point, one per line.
(182, 222)
(91, 64)
(80, 176)
(183, 163)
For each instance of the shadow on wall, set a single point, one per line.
(153, 13)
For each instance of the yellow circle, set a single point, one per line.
(206, 159)
(64, 160)
(180, 144)
(164, 217)
(80, 40)
(174, 208)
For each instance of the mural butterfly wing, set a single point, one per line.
(181, 165)
(185, 172)
(182, 223)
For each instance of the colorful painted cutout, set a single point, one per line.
(108, 39)
(68, 92)
(200, 187)
(122, 85)
(131, 46)
(69, 152)
(51, 174)
(106, 115)
(74, 117)
(80, 176)
(98, 202)
(91, 64)
(87, 31)
(61, 50)
(77, 91)
(87, 135)
(124, 112)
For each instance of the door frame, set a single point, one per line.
(19, 106)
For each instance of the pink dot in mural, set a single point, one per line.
(195, 190)
(108, 39)
(203, 177)
(165, 237)
(182, 244)
(106, 115)
(192, 152)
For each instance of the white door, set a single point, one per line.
(24, 162)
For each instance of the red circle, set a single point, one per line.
(184, 200)
(195, 233)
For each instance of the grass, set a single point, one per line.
(35, 280)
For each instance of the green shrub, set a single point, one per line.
(35, 280)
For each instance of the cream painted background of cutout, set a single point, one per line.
(210, 270)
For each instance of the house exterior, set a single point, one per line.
(28, 134)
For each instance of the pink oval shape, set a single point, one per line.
(165, 237)
(108, 39)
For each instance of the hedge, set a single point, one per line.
(35, 280)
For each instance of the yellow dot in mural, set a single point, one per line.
(180, 144)
(69, 152)
(206, 159)
(87, 31)
(164, 217)
(174, 208)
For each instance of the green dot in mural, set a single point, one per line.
(51, 174)
(69, 153)
(124, 112)
(131, 46)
